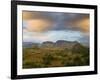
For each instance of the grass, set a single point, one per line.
(36, 57)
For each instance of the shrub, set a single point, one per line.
(47, 59)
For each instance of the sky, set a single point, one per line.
(52, 26)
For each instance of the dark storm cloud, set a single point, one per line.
(61, 21)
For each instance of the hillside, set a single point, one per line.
(55, 54)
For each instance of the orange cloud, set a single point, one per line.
(80, 24)
(83, 24)
(29, 15)
(38, 25)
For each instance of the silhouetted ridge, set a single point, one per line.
(47, 44)
(57, 44)
(60, 43)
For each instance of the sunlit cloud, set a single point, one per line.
(38, 25)
(79, 24)
(83, 24)
(26, 15)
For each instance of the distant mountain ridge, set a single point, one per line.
(59, 43)
(29, 44)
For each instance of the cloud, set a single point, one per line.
(42, 26)
(81, 24)
(85, 39)
(26, 15)
(36, 21)
(84, 24)
(51, 36)
(38, 25)
(58, 20)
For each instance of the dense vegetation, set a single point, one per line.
(39, 57)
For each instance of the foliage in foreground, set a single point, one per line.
(39, 57)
